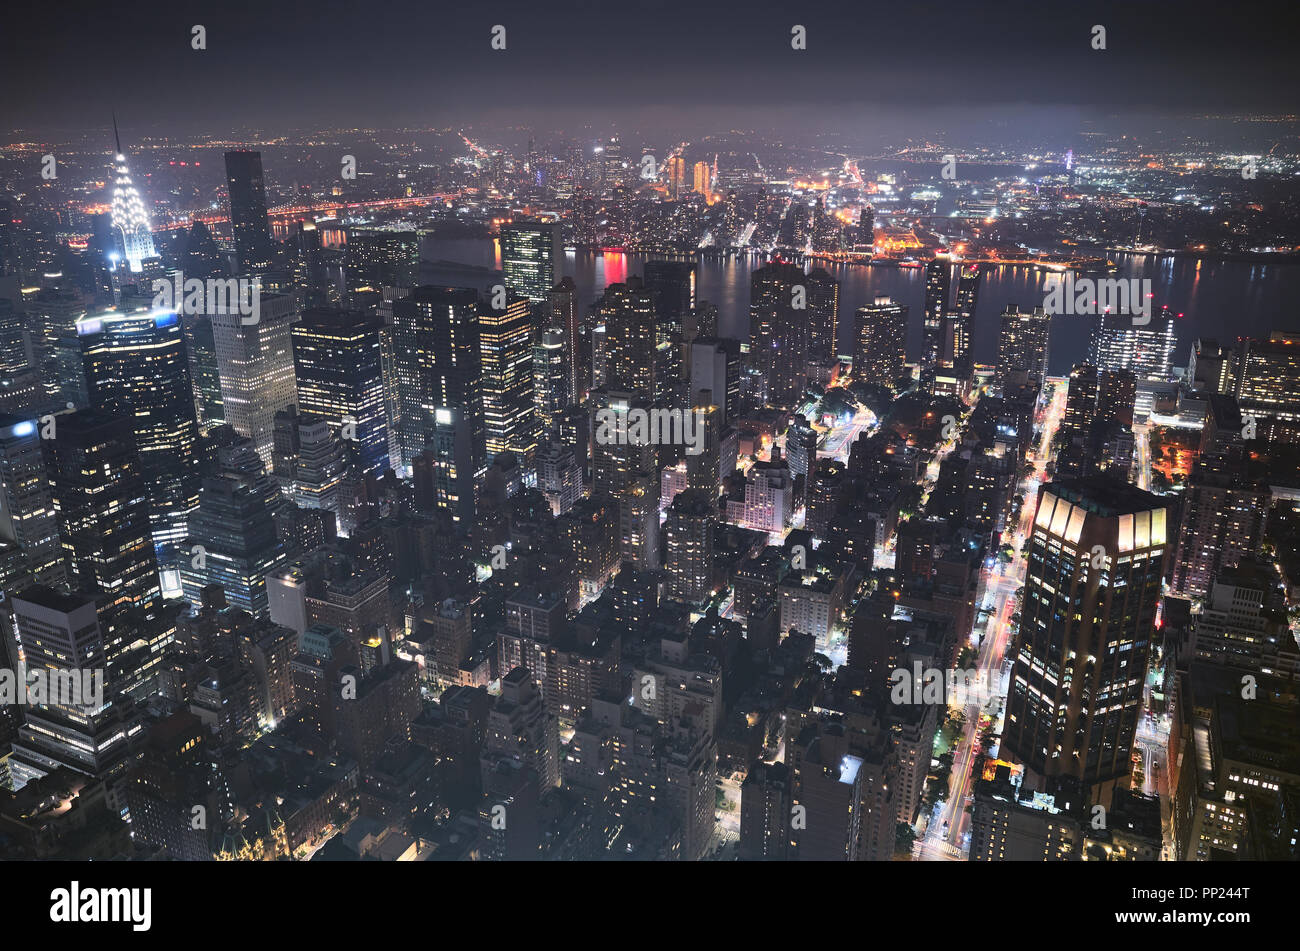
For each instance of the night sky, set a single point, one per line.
(420, 62)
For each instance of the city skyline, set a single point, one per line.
(688, 435)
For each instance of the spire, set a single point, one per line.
(116, 138)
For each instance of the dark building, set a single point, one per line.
(248, 219)
(99, 491)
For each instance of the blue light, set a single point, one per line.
(164, 320)
(24, 429)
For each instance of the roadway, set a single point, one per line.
(950, 842)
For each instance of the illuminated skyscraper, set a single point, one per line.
(54, 314)
(380, 258)
(136, 368)
(566, 315)
(778, 329)
(550, 377)
(688, 557)
(255, 363)
(310, 463)
(27, 516)
(1118, 343)
(129, 219)
(701, 178)
(1023, 345)
(880, 342)
(628, 472)
(232, 540)
(337, 362)
(1268, 386)
(100, 493)
(1096, 561)
(61, 635)
(631, 340)
(531, 255)
(438, 363)
(938, 283)
(823, 315)
(506, 345)
(959, 324)
(248, 218)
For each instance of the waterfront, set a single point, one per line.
(1215, 298)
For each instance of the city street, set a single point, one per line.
(950, 842)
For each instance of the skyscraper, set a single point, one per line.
(377, 258)
(550, 377)
(61, 637)
(688, 534)
(337, 362)
(1023, 345)
(672, 284)
(232, 540)
(565, 314)
(716, 367)
(938, 285)
(205, 379)
(880, 342)
(959, 324)
(100, 493)
(1117, 343)
(1096, 560)
(27, 516)
(438, 362)
(506, 347)
(130, 220)
(531, 256)
(255, 363)
(248, 218)
(631, 340)
(700, 178)
(1268, 386)
(136, 368)
(778, 329)
(823, 315)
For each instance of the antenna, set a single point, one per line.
(116, 138)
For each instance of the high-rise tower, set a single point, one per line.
(248, 219)
(1096, 561)
(136, 368)
(129, 219)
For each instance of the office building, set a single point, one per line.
(135, 368)
(27, 516)
(248, 210)
(531, 257)
(339, 370)
(255, 363)
(1023, 346)
(99, 491)
(1096, 563)
(506, 358)
(778, 330)
(880, 342)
